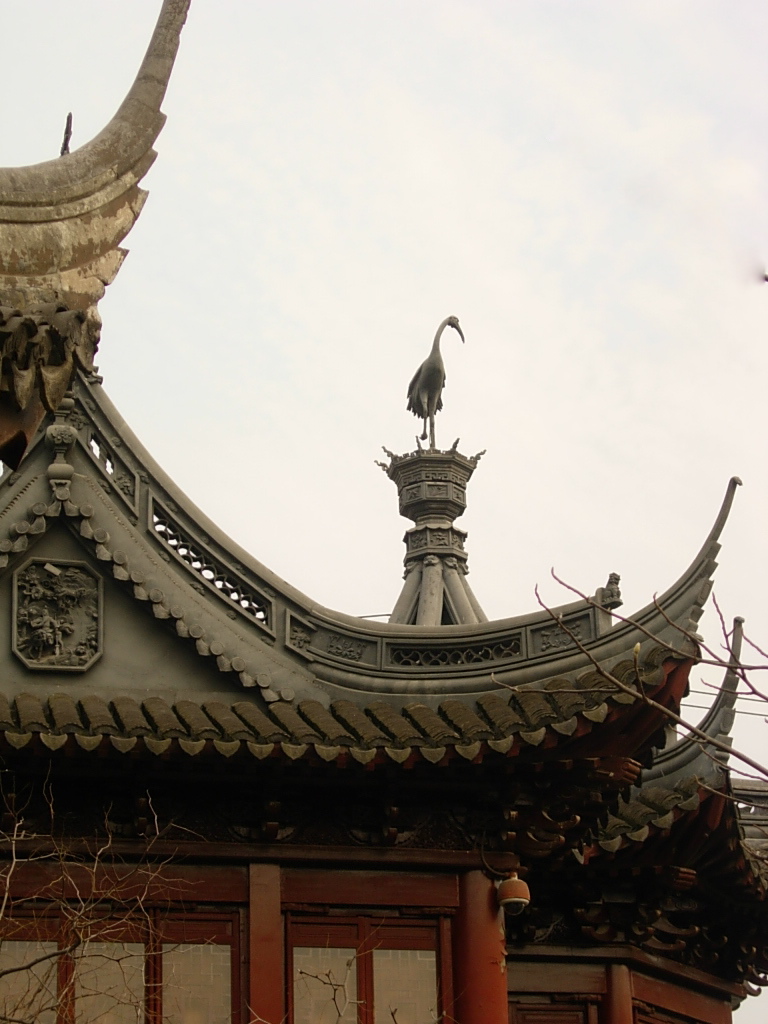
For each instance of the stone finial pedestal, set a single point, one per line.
(432, 490)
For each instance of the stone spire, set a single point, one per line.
(431, 486)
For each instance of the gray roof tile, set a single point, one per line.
(467, 723)
(131, 717)
(199, 724)
(163, 718)
(65, 714)
(363, 727)
(567, 696)
(324, 722)
(31, 716)
(392, 721)
(436, 729)
(503, 718)
(232, 727)
(534, 707)
(299, 730)
(260, 723)
(98, 716)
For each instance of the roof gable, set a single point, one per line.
(191, 618)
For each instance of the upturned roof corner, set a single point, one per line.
(61, 225)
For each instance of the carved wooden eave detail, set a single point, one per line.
(705, 907)
(682, 775)
(61, 225)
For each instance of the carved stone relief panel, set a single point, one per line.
(568, 635)
(299, 635)
(509, 648)
(311, 640)
(345, 647)
(57, 615)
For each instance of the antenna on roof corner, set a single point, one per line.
(67, 135)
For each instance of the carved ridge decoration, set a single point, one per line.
(40, 346)
(163, 606)
(116, 470)
(61, 224)
(196, 557)
(57, 616)
(562, 636)
(556, 638)
(300, 637)
(502, 650)
(39, 517)
(345, 647)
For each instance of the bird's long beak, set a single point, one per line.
(461, 333)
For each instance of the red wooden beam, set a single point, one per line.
(369, 888)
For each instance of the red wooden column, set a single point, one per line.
(479, 954)
(618, 1004)
(266, 957)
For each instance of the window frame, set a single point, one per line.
(152, 928)
(366, 932)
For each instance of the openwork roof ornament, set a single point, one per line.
(61, 225)
(432, 489)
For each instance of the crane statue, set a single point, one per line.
(426, 389)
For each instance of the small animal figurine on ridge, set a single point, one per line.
(426, 389)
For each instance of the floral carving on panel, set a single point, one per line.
(300, 637)
(553, 639)
(125, 483)
(57, 616)
(344, 647)
(77, 420)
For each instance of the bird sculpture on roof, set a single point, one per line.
(426, 389)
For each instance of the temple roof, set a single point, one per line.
(200, 642)
(256, 633)
(89, 490)
(138, 626)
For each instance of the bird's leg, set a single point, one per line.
(431, 430)
(424, 434)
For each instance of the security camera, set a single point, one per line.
(513, 895)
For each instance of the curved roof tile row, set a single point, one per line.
(496, 718)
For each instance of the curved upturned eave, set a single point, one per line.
(681, 605)
(690, 756)
(125, 142)
(272, 580)
(678, 600)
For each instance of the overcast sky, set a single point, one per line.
(585, 185)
